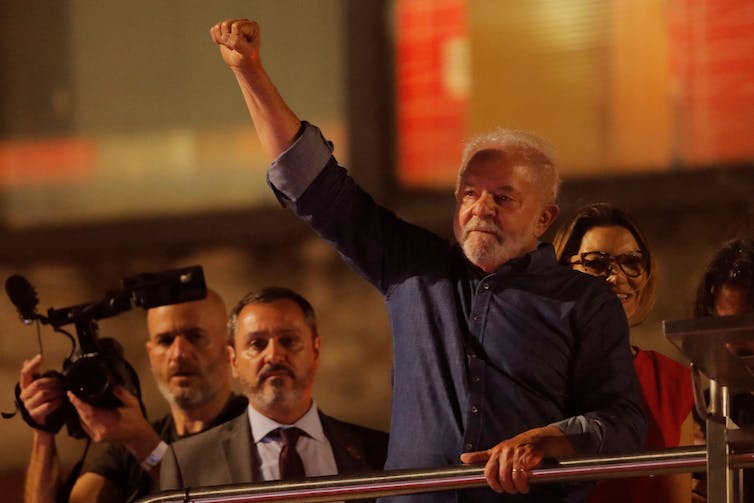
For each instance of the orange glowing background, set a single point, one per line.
(619, 87)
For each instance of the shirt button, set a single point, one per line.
(474, 409)
(468, 447)
(472, 354)
(475, 379)
(486, 286)
(475, 317)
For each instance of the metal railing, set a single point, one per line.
(393, 483)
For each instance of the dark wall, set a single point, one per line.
(35, 98)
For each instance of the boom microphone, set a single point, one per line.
(23, 296)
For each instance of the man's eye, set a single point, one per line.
(200, 341)
(287, 342)
(165, 341)
(193, 334)
(258, 344)
(501, 198)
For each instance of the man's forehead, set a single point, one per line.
(174, 312)
(272, 318)
(270, 327)
(181, 317)
(273, 332)
(494, 170)
(278, 308)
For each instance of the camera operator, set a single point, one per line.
(188, 355)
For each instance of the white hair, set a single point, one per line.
(537, 154)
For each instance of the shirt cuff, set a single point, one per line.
(296, 168)
(585, 434)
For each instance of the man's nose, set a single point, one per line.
(180, 347)
(484, 206)
(274, 352)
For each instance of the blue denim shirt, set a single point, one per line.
(478, 358)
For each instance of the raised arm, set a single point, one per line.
(275, 122)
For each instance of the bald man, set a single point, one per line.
(188, 355)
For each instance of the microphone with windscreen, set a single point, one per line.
(23, 296)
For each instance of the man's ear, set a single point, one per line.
(316, 342)
(232, 359)
(546, 218)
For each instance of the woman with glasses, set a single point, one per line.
(603, 241)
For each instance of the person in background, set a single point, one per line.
(188, 355)
(727, 289)
(275, 353)
(604, 241)
(502, 356)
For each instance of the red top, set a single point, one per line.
(668, 398)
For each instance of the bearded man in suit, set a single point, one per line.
(274, 352)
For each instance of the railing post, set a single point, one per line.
(721, 487)
(721, 349)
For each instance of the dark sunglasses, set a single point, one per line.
(632, 264)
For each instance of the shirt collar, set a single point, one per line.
(262, 425)
(543, 257)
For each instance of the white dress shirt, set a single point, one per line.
(313, 447)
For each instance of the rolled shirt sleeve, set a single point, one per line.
(296, 168)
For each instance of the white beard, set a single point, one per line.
(490, 249)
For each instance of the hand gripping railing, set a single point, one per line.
(393, 483)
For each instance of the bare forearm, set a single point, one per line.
(140, 447)
(43, 474)
(276, 124)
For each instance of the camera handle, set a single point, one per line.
(87, 331)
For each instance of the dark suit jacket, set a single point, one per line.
(225, 454)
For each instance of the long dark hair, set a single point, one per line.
(732, 265)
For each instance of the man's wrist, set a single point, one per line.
(154, 457)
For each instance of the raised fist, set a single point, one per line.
(238, 40)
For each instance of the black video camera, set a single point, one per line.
(97, 366)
